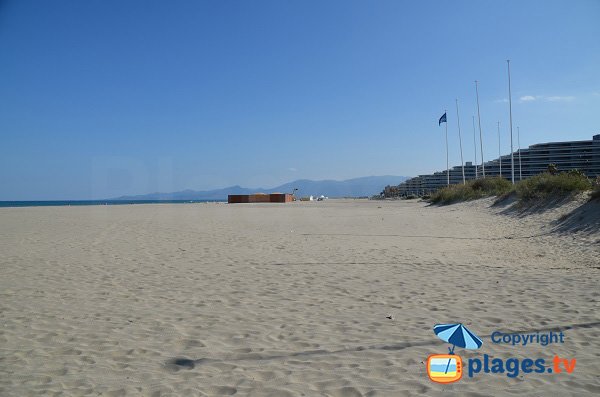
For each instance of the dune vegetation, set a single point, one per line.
(539, 187)
(472, 190)
(547, 185)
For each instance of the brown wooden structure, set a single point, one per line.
(260, 198)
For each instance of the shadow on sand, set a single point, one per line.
(584, 218)
(179, 363)
(513, 207)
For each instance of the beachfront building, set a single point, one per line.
(569, 155)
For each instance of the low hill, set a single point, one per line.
(357, 187)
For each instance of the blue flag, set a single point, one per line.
(442, 119)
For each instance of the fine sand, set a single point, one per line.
(291, 299)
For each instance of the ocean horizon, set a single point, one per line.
(63, 203)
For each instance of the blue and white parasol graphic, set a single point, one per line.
(458, 335)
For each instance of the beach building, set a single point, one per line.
(260, 198)
(568, 155)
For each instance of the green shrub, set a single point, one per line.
(547, 185)
(576, 172)
(538, 187)
(552, 169)
(492, 186)
(472, 190)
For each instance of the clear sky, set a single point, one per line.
(105, 98)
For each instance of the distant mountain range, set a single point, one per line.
(357, 187)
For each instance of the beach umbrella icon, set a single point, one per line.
(458, 335)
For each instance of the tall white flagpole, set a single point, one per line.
(519, 143)
(512, 157)
(480, 135)
(475, 147)
(447, 161)
(460, 142)
(499, 151)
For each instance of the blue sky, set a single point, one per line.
(105, 98)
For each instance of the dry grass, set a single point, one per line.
(535, 189)
(472, 190)
(546, 185)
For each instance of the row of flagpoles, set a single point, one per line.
(444, 119)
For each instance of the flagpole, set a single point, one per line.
(475, 148)
(460, 142)
(480, 135)
(447, 161)
(519, 143)
(499, 151)
(512, 157)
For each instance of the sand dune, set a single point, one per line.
(290, 300)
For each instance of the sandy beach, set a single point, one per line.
(291, 299)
